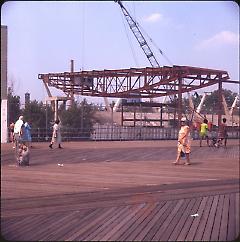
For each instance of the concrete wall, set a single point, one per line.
(4, 104)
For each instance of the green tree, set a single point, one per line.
(79, 115)
(210, 104)
(35, 113)
(14, 109)
(78, 120)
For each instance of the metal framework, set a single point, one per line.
(127, 83)
(146, 82)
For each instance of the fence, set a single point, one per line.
(109, 132)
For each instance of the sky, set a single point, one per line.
(43, 36)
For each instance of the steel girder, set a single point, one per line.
(146, 82)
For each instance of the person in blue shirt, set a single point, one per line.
(27, 138)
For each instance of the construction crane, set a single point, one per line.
(141, 39)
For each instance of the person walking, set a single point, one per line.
(222, 133)
(18, 131)
(27, 138)
(56, 136)
(11, 128)
(184, 145)
(204, 132)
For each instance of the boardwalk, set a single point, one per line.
(120, 191)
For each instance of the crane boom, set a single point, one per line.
(140, 38)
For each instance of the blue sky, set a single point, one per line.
(44, 36)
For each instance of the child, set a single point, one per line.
(23, 158)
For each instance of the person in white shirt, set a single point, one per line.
(18, 130)
(18, 134)
(56, 136)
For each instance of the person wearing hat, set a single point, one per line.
(183, 148)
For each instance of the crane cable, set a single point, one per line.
(160, 51)
(130, 43)
(83, 34)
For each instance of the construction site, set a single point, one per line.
(129, 191)
(141, 87)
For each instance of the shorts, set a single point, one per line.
(203, 135)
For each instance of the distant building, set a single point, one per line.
(27, 98)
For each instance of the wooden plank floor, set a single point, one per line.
(120, 191)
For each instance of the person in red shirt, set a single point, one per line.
(222, 133)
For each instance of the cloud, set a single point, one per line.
(219, 39)
(154, 17)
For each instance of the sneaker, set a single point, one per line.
(50, 146)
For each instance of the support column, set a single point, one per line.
(72, 91)
(219, 105)
(56, 109)
(161, 116)
(179, 101)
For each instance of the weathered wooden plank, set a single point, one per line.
(49, 223)
(217, 219)
(209, 225)
(121, 223)
(180, 224)
(15, 230)
(96, 227)
(38, 225)
(84, 225)
(237, 215)
(97, 222)
(141, 224)
(111, 176)
(56, 226)
(195, 223)
(189, 220)
(165, 236)
(106, 222)
(203, 219)
(117, 218)
(160, 221)
(231, 234)
(161, 230)
(151, 220)
(134, 222)
(224, 219)
(82, 230)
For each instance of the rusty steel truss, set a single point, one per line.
(149, 82)
(146, 82)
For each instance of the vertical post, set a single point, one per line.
(122, 115)
(46, 137)
(56, 109)
(219, 102)
(72, 92)
(134, 116)
(179, 101)
(112, 105)
(161, 116)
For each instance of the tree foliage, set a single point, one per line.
(14, 109)
(210, 104)
(35, 114)
(79, 115)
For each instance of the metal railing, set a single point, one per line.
(113, 132)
